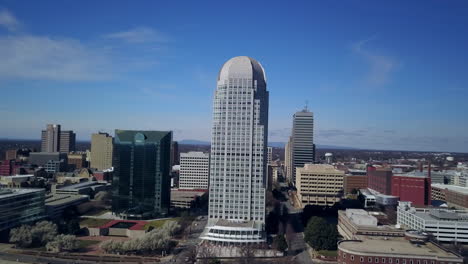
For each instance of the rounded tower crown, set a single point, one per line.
(242, 67)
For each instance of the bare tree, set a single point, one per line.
(206, 254)
(247, 254)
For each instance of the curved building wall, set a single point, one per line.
(239, 151)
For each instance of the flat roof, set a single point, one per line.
(393, 246)
(137, 224)
(227, 223)
(17, 176)
(10, 192)
(59, 199)
(459, 189)
(79, 185)
(320, 168)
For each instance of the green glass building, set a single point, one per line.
(141, 181)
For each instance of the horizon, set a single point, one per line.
(378, 76)
(319, 146)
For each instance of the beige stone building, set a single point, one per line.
(101, 151)
(319, 184)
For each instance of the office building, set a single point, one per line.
(269, 155)
(101, 151)
(413, 188)
(175, 153)
(11, 154)
(76, 160)
(445, 225)
(141, 179)
(354, 182)
(9, 167)
(380, 179)
(67, 141)
(288, 167)
(302, 140)
(20, 206)
(186, 198)
(56, 204)
(411, 249)
(42, 158)
(354, 223)
(454, 196)
(238, 166)
(50, 138)
(319, 184)
(194, 170)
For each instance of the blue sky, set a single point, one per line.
(376, 74)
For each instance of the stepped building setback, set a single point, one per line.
(238, 166)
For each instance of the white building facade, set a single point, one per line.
(445, 225)
(238, 165)
(194, 170)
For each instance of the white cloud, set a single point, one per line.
(139, 35)
(8, 21)
(45, 58)
(381, 66)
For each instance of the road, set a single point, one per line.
(186, 248)
(17, 258)
(295, 233)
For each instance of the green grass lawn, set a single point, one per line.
(159, 223)
(328, 253)
(92, 222)
(87, 243)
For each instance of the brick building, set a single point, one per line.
(380, 179)
(394, 250)
(412, 188)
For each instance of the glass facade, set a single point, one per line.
(141, 181)
(21, 206)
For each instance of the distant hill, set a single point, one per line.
(271, 144)
(194, 142)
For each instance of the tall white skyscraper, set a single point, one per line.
(303, 149)
(238, 170)
(194, 170)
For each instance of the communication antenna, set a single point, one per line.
(306, 108)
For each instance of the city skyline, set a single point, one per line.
(369, 76)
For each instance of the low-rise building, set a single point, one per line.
(444, 224)
(185, 198)
(454, 196)
(88, 188)
(76, 160)
(354, 182)
(56, 204)
(15, 181)
(121, 228)
(319, 184)
(20, 206)
(394, 250)
(413, 187)
(354, 223)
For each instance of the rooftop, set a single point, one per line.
(60, 199)
(227, 223)
(321, 168)
(194, 154)
(127, 224)
(459, 189)
(80, 185)
(10, 192)
(394, 245)
(242, 67)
